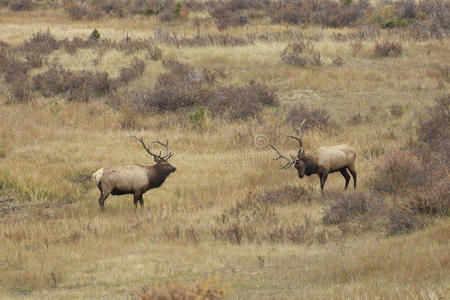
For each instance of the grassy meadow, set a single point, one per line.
(56, 243)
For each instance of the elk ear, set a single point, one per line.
(156, 160)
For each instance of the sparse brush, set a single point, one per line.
(317, 117)
(397, 110)
(301, 53)
(388, 48)
(135, 70)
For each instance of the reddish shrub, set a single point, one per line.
(398, 171)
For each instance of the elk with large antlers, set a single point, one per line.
(322, 161)
(134, 179)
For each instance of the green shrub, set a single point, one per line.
(95, 35)
(199, 118)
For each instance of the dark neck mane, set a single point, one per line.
(310, 164)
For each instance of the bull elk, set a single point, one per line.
(134, 179)
(322, 161)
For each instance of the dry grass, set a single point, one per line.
(57, 244)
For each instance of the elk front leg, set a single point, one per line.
(323, 179)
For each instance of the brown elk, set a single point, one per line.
(322, 161)
(134, 179)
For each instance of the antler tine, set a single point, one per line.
(166, 145)
(147, 149)
(290, 161)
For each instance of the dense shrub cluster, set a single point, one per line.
(241, 102)
(420, 174)
(79, 86)
(185, 87)
(301, 53)
(20, 5)
(344, 208)
(317, 117)
(328, 13)
(41, 42)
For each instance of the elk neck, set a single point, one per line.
(156, 175)
(311, 164)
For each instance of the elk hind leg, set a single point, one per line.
(346, 176)
(141, 201)
(353, 172)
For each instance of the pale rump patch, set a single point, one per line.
(98, 175)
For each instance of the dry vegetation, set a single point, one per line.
(222, 79)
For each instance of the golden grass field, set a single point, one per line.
(56, 243)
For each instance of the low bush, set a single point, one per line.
(401, 219)
(135, 70)
(398, 172)
(20, 5)
(433, 130)
(344, 208)
(34, 60)
(227, 13)
(290, 12)
(301, 53)
(317, 117)
(15, 71)
(41, 42)
(241, 102)
(397, 110)
(388, 48)
(209, 289)
(80, 86)
(338, 14)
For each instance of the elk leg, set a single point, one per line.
(102, 199)
(346, 176)
(136, 199)
(141, 201)
(353, 172)
(323, 179)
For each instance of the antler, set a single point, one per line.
(147, 149)
(166, 145)
(299, 139)
(290, 161)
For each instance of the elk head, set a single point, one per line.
(161, 161)
(297, 162)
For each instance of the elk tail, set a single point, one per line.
(98, 176)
